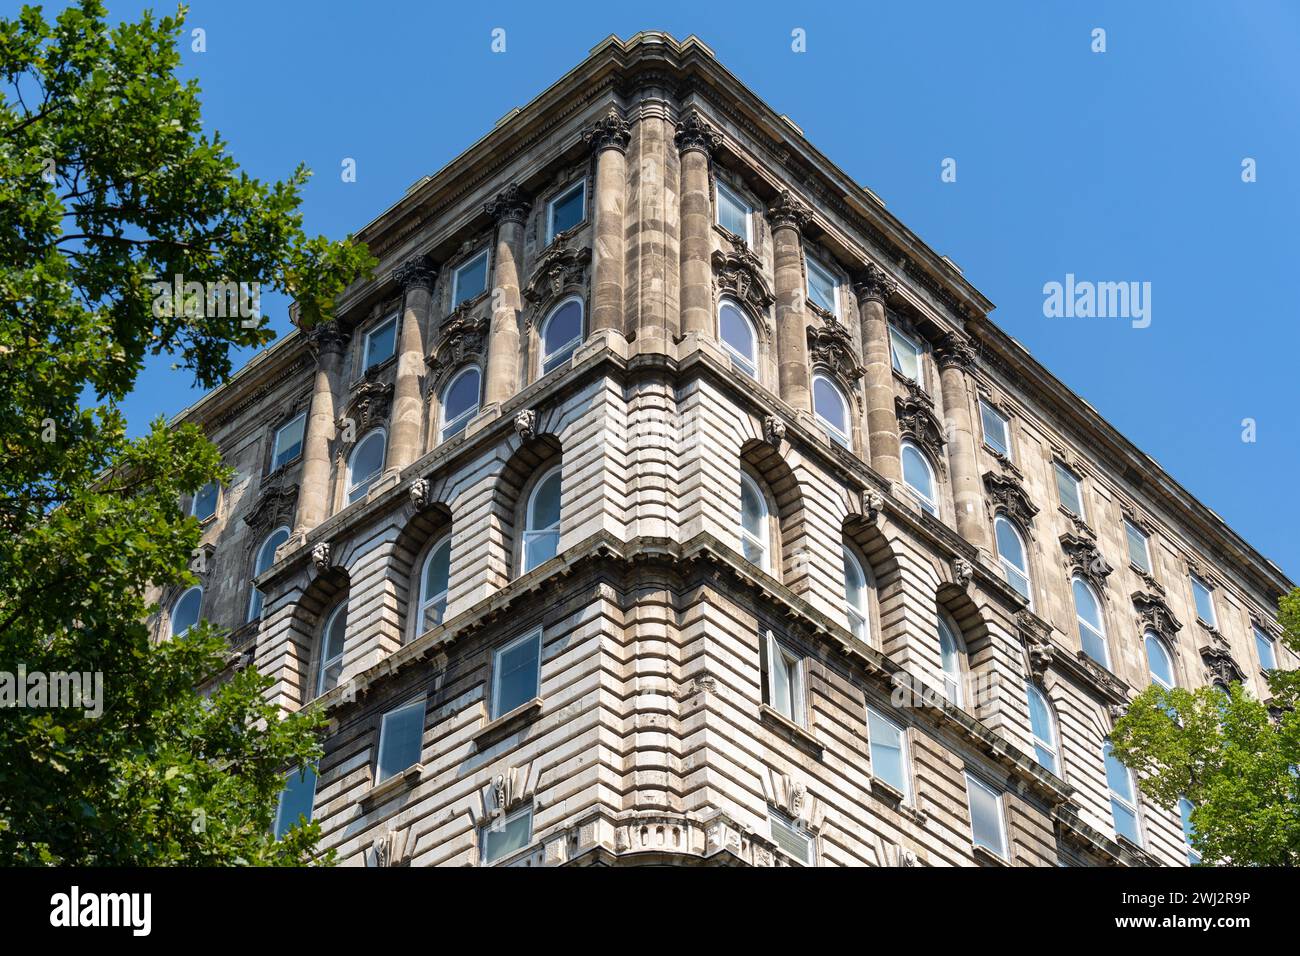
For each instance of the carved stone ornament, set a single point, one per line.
(526, 424)
(274, 506)
(1006, 496)
(609, 132)
(773, 430)
(461, 337)
(419, 493)
(875, 504)
(320, 557)
(559, 267)
(739, 273)
(510, 205)
(391, 849)
(1220, 666)
(874, 283)
(1154, 614)
(917, 421)
(831, 345)
(1036, 636)
(962, 572)
(326, 338)
(418, 272)
(1083, 558)
(694, 132)
(788, 211)
(369, 406)
(954, 351)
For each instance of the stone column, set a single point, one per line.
(608, 138)
(415, 276)
(788, 217)
(328, 343)
(873, 287)
(510, 210)
(954, 356)
(653, 252)
(696, 140)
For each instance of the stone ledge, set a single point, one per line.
(507, 724)
(793, 733)
(987, 857)
(395, 784)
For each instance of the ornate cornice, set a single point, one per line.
(954, 351)
(1154, 614)
(559, 268)
(788, 211)
(831, 345)
(739, 273)
(369, 406)
(1006, 496)
(510, 205)
(695, 133)
(874, 283)
(1083, 558)
(609, 132)
(1220, 665)
(917, 421)
(417, 272)
(461, 337)
(275, 505)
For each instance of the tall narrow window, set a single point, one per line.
(997, 430)
(987, 825)
(789, 837)
(832, 410)
(185, 612)
(1043, 726)
(401, 740)
(919, 477)
(561, 334)
(1266, 648)
(1123, 797)
(1012, 557)
(1139, 550)
(434, 583)
(906, 356)
(365, 464)
(738, 337)
(204, 505)
(265, 558)
(381, 343)
(1185, 808)
(296, 800)
(1068, 490)
(460, 401)
(331, 649)
(888, 752)
(1159, 663)
(734, 214)
(1204, 602)
(950, 656)
(516, 673)
(823, 288)
(1092, 632)
(542, 521)
(506, 836)
(566, 210)
(469, 280)
(855, 595)
(755, 525)
(287, 444)
(785, 684)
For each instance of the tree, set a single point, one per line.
(1236, 759)
(111, 192)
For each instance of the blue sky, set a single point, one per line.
(1116, 166)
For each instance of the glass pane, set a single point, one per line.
(1017, 580)
(916, 472)
(1046, 759)
(1204, 603)
(402, 735)
(821, 287)
(367, 461)
(1137, 547)
(829, 405)
(733, 212)
(1085, 605)
(1126, 824)
(288, 442)
(781, 698)
(567, 211)
(563, 329)
(1267, 653)
(886, 751)
(510, 837)
(1039, 717)
(1117, 775)
(205, 501)
(460, 399)
(737, 333)
(1094, 645)
(517, 672)
(1067, 488)
(335, 633)
(539, 546)
(995, 430)
(985, 817)
(329, 677)
(753, 510)
(471, 279)
(380, 343)
(266, 557)
(755, 553)
(545, 511)
(904, 355)
(185, 614)
(296, 800)
(434, 612)
(794, 842)
(1162, 671)
(437, 570)
(855, 584)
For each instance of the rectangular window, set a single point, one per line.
(566, 210)
(401, 740)
(506, 836)
(1139, 550)
(888, 746)
(734, 214)
(381, 343)
(296, 799)
(1204, 602)
(204, 505)
(516, 673)
(785, 681)
(1267, 650)
(288, 442)
(997, 430)
(823, 289)
(790, 837)
(470, 280)
(1068, 490)
(906, 356)
(987, 826)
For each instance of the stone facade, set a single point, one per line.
(660, 731)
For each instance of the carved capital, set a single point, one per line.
(418, 272)
(694, 132)
(609, 132)
(327, 338)
(874, 283)
(954, 351)
(510, 205)
(788, 212)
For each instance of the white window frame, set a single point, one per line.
(1007, 563)
(895, 334)
(837, 436)
(776, 819)
(1132, 805)
(275, 440)
(427, 599)
(815, 265)
(580, 185)
(973, 782)
(987, 407)
(779, 655)
(904, 750)
(1063, 472)
(1149, 635)
(465, 415)
(1209, 600)
(858, 615)
(747, 364)
(455, 276)
(933, 503)
(501, 824)
(1051, 746)
(719, 189)
(352, 484)
(1264, 639)
(1185, 821)
(171, 617)
(495, 703)
(419, 702)
(1079, 621)
(216, 504)
(528, 532)
(571, 346)
(326, 662)
(366, 364)
(254, 604)
(1130, 529)
(765, 543)
(955, 694)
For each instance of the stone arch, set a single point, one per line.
(530, 460)
(406, 558)
(780, 482)
(306, 621)
(881, 562)
(980, 646)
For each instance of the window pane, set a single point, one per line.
(733, 212)
(367, 462)
(567, 211)
(460, 401)
(738, 336)
(562, 335)
(1067, 488)
(782, 699)
(381, 343)
(1086, 605)
(437, 573)
(205, 501)
(905, 355)
(995, 430)
(887, 761)
(546, 503)
(791, 839)
(1204, 603)
(1117, 775)
(288, 442)
(1137, 547)
(539, 547)
(829, 405)
(821, 287)
(185, 613)
(471, 279)
(1040, 721)
(296, 799)
(1267, 652)
(753, 510)
(916, 472)
(1185, 808)
(402, 733)
(1162, 671)
(517, 674)
(510, 837)
(265, 558)
(985, 816)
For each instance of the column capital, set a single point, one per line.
(609, 132)
(788, 211)
(874, 283)
(954, 351)
(326, 338)
(417, 272)
(695, 132)
(510, 206)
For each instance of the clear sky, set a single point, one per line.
(1117, 166)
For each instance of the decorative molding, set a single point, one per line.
(773, 431)
(510, 205)
(1007, 496)
(320, 557)
(874, 283)
(788, 211)
(417, 272)
(609, 132)
(1154, 614)
(739, 273)
(831, 345)
(695, 133)
(559, 269)
(962, 572)
(420, 493)
(1082, 557)
(917, 421)
(369, 406)
(874, 502)
(462, 337)
(526, 424)
(1036, 635)
(275, 505)
(1220, 665)
(954, 351)
(391, 849)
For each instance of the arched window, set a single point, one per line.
(1092, 632)
(919, 477)
(331, 649)
(1185, 808)
(855, 595)
(460, 400)
(265, 558)
(204, 505)
(1043, 725)
(434, 581)
(738, 337)
(755, 524)
(1159, 663)
(542, 521)
(950, 657)
(364, 466)
(561, 334)
(1123, 797)
(1012, 556)
(832, 410)
(185, 612)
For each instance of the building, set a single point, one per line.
(664, 499)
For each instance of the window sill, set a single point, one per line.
(398, 782)
(505, 725)
(987, 857)
(791, 731)
(898, 801)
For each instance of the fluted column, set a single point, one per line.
(788, 217)
(696, 140)
(954, 356)
(415, 276)
(608, 138)
(510, 210)
(328, 343)
(873, 287)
